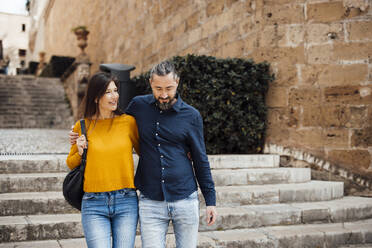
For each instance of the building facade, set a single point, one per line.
(320, 51)
(14, 38)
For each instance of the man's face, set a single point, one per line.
(164, 89)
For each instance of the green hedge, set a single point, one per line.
(230, 95)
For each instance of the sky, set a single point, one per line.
(13, 6)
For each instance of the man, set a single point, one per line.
(169, 129)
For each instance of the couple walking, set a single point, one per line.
(167, 134)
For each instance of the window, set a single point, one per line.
(23, 27)
(21, 52)
(23, 63)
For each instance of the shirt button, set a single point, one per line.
(161, 156)
(158, 144)
(161, 112)
(162, 181)
(162, 168)
(157, 123)
(156, 134)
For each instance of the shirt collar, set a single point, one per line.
(176, 107)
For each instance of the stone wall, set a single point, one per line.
(320, 51)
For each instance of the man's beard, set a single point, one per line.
(165, 105)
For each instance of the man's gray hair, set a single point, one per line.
(163, 69)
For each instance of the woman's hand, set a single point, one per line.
(81, 143)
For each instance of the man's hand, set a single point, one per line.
(73, 136)
(211, 215)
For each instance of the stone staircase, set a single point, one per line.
(31, 102)
(259, 205)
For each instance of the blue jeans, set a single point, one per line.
(155, 217)
(110, 215)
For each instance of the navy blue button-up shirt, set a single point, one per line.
(164, 171)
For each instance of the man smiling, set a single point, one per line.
(169, 129)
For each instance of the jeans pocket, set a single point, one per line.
(128, 193)
(193, 195)
(89, 196)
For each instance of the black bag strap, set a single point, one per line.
(84, 156)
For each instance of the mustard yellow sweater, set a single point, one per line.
(109, 160)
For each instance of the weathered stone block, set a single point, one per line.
(273, 2)
(352, 51)
(304, 96)
(319, 33)
(325, 12)
(194, 35)
(283, 14)
(246, 26)
(312, 116)
(215, 7)
(224, 36)
(335, 115)
(272, 35)
(209, 27)
(358, 117)
(294, 55)
(342, 74)
(277, 136)
(362, 137)
(348, 94)
(295, 35)
(283, 117)
(307, 138)
(193, 21)
(336, 138)
(360, 30)
(225, 19)
(355, 160)
(233, 49)
(277, 97)
(320, 54)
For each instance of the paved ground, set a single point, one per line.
(34, 141)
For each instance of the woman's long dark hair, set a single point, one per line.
(97, 86)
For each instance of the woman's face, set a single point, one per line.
(109, 100)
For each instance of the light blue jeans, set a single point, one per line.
(156, 215)
(110, 218)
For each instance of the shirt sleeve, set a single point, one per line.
(200, 161)
(73, 158)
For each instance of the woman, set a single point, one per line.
(110, 205)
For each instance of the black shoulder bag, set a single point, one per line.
(74, 181)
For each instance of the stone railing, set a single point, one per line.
(304, 159)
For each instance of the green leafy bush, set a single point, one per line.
(230, 95)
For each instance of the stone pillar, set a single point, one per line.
(41, 64)
(76, 77)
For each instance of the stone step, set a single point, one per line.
(62, 226)
(34, 140)
(35, 182)
(57, 163)
(27, 97)
(234, 196)
(261, 176)
(41, 182)
(341, 235)
(357, 246)
(253, 216)
(238, 161)
(32, 203)
(33, 163)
